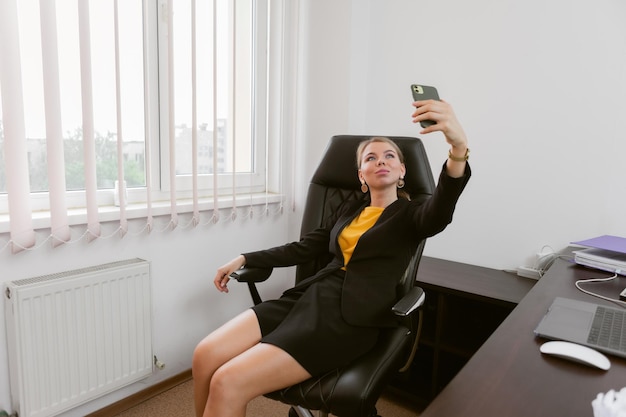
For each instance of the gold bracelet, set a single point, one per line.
(461, 159)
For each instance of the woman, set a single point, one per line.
(329, 319)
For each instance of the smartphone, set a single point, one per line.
(424, 92)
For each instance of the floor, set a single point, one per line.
(178, 402)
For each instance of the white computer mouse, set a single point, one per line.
(577, 353)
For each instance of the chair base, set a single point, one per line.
(297, 411)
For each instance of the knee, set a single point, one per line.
(225, 386)
(201, 362)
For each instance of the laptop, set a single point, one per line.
(596, 326)
(607, 253)
(604, 260)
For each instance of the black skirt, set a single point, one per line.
(309, 326)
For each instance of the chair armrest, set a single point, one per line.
(251, 274)
(410, 302)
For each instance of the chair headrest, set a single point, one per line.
(338, 166)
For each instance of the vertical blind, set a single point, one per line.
(15, 152)
(18, 186)
(89, 147)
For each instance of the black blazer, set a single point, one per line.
(381, 254)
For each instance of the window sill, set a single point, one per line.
(41, 220)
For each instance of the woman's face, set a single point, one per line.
(380, 166)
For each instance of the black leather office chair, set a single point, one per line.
(352, 391)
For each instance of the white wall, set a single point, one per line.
(539, 86)
(186, 306)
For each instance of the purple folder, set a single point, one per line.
(606, 242)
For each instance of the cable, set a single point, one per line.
(545, 259)
(594, 280)
(545, 265)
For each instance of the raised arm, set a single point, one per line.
(446, 122)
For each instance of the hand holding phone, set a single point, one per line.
(424, 92)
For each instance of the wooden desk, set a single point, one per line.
(473, 281)
(450, 336)
(509, 377)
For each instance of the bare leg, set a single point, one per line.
(221, 345)
(261, 369)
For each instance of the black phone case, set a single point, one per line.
(424, 92)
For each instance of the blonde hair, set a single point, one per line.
(361, 148)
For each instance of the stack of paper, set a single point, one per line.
(607, 253)
(611, 404)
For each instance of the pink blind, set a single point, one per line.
(60, 230)
(16, 162)
(89, 144)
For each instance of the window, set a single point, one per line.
(32, 48)
(229, 79)
(160, 100)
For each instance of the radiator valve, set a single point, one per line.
(157, 363)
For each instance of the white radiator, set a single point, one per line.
(77, 335)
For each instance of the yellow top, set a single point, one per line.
(351, 234)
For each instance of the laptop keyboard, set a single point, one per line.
(608, 329)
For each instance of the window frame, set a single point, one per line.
(245, 183)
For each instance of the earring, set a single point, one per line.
(364, 188)
(401, 183)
